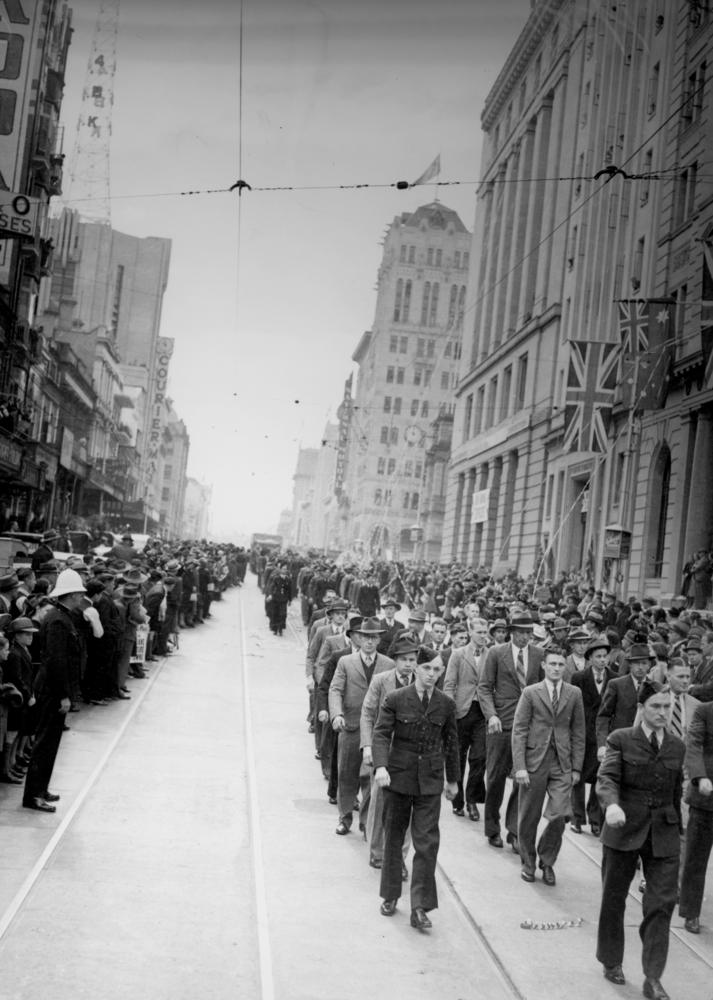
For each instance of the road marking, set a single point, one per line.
(11, 912)
(263, 929)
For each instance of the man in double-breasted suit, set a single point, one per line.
(508, 668)
(592, 682)
(415, 737)
(639, 787)
(405, 653)
(351, 680)
(699, 832)
(547, 755)
(619, 701)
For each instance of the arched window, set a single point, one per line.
(660, 483)
(407, 302)
(399, 297)
(424, 303)
(434, 304)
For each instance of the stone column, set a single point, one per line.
(699, 522)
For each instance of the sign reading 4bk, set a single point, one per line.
(18, 216)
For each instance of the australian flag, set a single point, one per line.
(591, 382)
(646, 330)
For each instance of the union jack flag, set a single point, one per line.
(591, 382)
(644, 328)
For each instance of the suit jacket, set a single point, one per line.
(349, 686)
(536, 725)
(462, 674)
(314, 646)
(618, 708)
(571, 667)
(389, 634)
(499, 686)
(415, 745)
(699, 755)
(702, 683)
(321, 695)
(647, 786)
(591, 699)
(381, 685)
(331, 644)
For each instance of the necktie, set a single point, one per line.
(677, 717)
(424, 701)
(521, 667)
(654, 742)
(555, 699)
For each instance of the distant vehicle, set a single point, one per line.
(112, 538)
(17, 547)
(261, 540)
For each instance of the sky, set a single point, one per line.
(268, 295)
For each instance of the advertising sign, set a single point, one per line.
(155, 411)
(481, 503)
(18, 216)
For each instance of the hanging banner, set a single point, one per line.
(481, 503)
(156, 411)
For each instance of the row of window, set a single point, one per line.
(434, 257)
(429, 303)
(494, 401)
(421, 376)
(424, 348)
(387, 467)
(394, 406)
(382, 498)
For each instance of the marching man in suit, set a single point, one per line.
(619, 701)
(548, 737)
(592, 682)
(508, 668)
(639, 788)
(414, 738)
(699, 832)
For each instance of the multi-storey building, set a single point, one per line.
(196, 510)
(302, 496)
(563, 232)
(173, 477)
(407, 370)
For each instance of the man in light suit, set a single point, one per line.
(683, 704)
(319, 652)
(347, 691)
(619, 702)
(592, 682)
(548, 737)
(405, 652)
(508, 668)
(461, 683)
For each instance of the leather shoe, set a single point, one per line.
(50, 797)
(693, 925)
(473, 813)
(332, 800)
(40, 805)
(419, 919)
(404, 872)
(513, 841)
(123, 696)
(388, 907)
(375, 862)
(548, 875)
(654, 990)
(595, 829)
(615, 974)
(526, 875)
(342, 830)
(575, 826)
(496, 840)
(458, 811)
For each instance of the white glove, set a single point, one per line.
(615, 815)
(92, 616)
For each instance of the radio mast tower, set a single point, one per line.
(89, 171)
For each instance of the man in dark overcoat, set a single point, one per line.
(592, 682)
(699, 832)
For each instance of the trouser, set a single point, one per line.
(548, 780)
(375, 831)
(422, 812)
(592, 812)
(351, 779)
(123, 661)
(661, 875)
(44, 751)
(326, 747)
(471, 748)
(699, 840)
(497, 770)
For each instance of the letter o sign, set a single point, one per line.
(21, 204)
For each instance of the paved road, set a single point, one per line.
(194, 856)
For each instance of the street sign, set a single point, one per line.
(18, 216)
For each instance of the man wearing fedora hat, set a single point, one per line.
(592, 682)
(508, 668)
(330, 738)
(618, 707)
(346, 696)
(327, 640)
(9, 589)
(639, 787)
(405, 659)
(390, 624)
(61, 658)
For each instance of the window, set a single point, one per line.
(411, 255)
(414, 501)
(645, 187)
(394, 435)
(384, 438)
(548, 496)
(377, 498)
(393, 343)
(427, 378)
(468, 416)
(638, 264)
(456, 259)
(429, 257)
(445, 380)
(166, 493)
(387, 498)
(685, 194)
(407, 500)
(448, 349)
(424, 408)
(402, 253)
(391, 467)
(407, 303)
(431, 347)
(397, 406)
(521, 383)
(653, 95)
(492, 398)
(380, 466)
(418, 470)
(408, 467)
(424, 302)
(403, 343)
(390, 374)
(618, 478)
(398, 301)
(572, 248)
(692, 109)
(479, 407)
(461, 307)
(505, 396)
(466, 259)
(414, 407)
(439, 258)
(417, 374)
(457, 350)
(452, 300)
(420, 347)
(399, 376)
(387, 404)
(434, 305)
